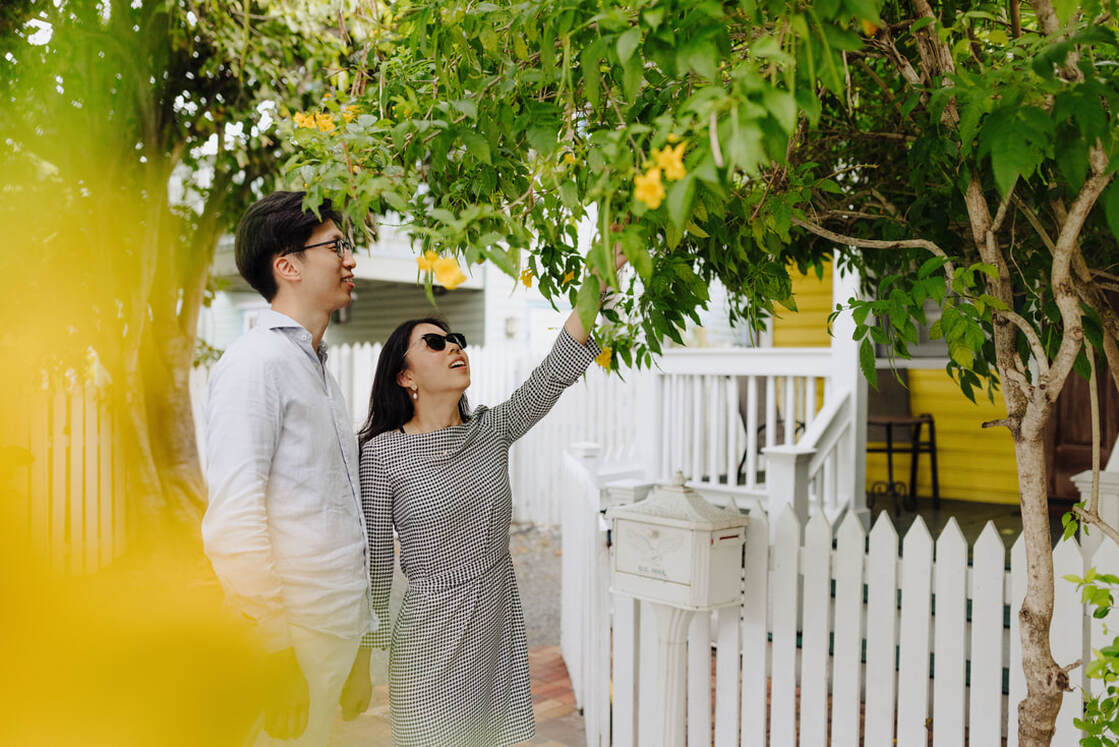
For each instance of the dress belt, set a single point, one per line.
(459, 576)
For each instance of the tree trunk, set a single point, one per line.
(1046, 682)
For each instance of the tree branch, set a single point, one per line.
(1034, 221)
(1095, 520)
(1094, 399)
(1061, 278)
(1031, 336)
(876, 244)
(936, 58)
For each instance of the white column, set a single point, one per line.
(672, 630)
(1109, 498)
(845, 351)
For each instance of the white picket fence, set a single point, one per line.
(898, 644)
(684, 414)
(63, 500)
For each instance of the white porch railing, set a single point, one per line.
(730, 420)
(713, 414)
(820, 616)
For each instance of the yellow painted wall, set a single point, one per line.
(976, 464)
(808, 325)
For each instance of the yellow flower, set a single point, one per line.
(304, 120)
(672, 161)
(447, 273)
(427, 261)
(324, 121)
(672, 137)
(349, 112)
(648, 188)
(568, 158)
(603, 358)
(355, 169)
(568, 277)
(526, 278)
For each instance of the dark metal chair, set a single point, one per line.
(889, 408)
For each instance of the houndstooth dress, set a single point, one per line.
(458, 661)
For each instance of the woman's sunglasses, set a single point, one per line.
(438, 342)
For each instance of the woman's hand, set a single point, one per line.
(574, 325)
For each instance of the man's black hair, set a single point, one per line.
(270, 226)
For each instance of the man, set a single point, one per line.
(284, 527)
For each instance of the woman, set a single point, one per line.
(439, 474)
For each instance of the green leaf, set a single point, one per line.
(638, 255)
(702, 58)
(467, 107)
(1110, 201)
(632, 76)
(1065, 9)
(680, 196)
(864, 10)
(627, 43)
(866, 362)
(477, 145)
(569, 193)
(782, 105)
(501, 258)
(672, 235)
(542, 139)
(696, 231)
(963, 356)
(653, 17)
(930, 265)
(548, 53)
(588, 61)
(586, 305)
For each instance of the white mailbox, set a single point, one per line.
(677, 549)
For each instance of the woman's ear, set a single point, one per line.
(405, 379)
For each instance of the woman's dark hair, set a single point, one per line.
(390, 407)
(271, 225)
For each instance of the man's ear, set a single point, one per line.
(287, 268)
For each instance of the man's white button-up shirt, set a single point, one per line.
(284, 528)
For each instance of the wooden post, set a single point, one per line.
(848, 376)
(787, 479)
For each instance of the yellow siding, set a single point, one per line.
(976, 464)
(808, 325)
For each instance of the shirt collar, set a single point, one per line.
(272, 319)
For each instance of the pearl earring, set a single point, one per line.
(415, 394)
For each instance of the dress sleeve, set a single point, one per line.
(567, 361)
(243, 424)
(376, 502)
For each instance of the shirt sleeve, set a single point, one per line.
(244, 419)
(562, 367)
(376, 503)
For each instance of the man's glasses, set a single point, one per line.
(438, 342)
(341, 246)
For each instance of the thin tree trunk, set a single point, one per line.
(1046, 682)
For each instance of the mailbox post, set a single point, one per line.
(682, 554)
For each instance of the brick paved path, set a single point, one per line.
(558, 724)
